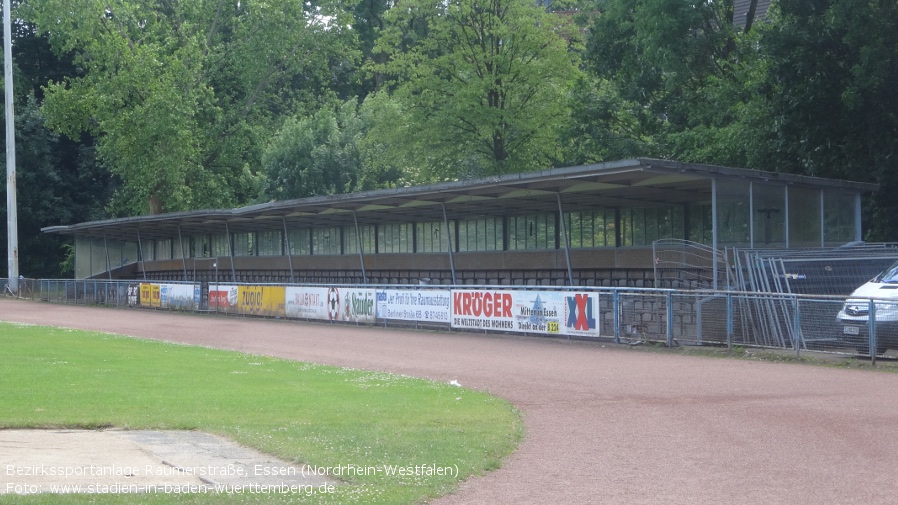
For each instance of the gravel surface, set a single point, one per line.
(604, 425)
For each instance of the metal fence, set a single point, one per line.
(793, 322)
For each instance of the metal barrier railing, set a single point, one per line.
(624, 315)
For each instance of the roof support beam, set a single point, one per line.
(230, 252)
(449, 243)
(287, 251)
(143, 259)
(358, 237)
(567, 242)
(106, 250)
(183, 256)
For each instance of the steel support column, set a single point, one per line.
(449, 243)
(183, 256)
(358, 238)
(230, 252)
(143, 259)
(567, 242)
(288, 252)
(106, 250)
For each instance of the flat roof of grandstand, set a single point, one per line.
(628, 183)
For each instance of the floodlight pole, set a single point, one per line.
(11, 218)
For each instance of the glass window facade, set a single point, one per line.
(535, 231)
(162, 249)
(326, 240)
(701, 224)
(769, 215)
(200, 247)
(733, 213)
(431, 237)
(591, 228)
(245, 244)
(269, 243)
(839, 224)
(299, 241)
(804, 218)
(351, 239)
(394, 238)
(220, 246)
(642, 226)
(485, 234)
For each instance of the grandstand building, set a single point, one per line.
(590, 225)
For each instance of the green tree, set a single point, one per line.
(831, 93)
(57, 183)
(483, 82)
(57, 179)
(658, 67)
(327, 153)
(181, 95)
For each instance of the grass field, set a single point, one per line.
(304, 413)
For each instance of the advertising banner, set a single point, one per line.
(165, 296)
(357, 305)
(179, 296)
(581, 314)
(307, 302)
(150, 295)
(545, 312)
(423, 305)
(331, 303)
(483, 309)
(261, 300)
(133, 295)
(223, 298)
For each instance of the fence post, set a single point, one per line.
(871, 330)
(729, 321)
(669, 319)
(615, 296)
(796, 327)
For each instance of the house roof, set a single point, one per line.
(629, 183)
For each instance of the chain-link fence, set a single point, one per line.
(27, 289)
(794, 322)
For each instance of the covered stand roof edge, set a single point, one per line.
(553, 179)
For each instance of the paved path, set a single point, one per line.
(604, 425)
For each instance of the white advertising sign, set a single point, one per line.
(423, 305)
(331, 303)
(179, 296)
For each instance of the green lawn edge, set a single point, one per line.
(301, 412)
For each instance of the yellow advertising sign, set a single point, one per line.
(155, 295)
(145, 294)
(261, 300)
(150, 295)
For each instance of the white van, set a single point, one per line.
(853, 317)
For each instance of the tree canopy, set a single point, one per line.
(484, 82)
(137, 106)
(180, 95)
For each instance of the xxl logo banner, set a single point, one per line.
(545, 312)
(261, 300)
(424, 305)
(331, 303)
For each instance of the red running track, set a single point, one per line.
(604, 425)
